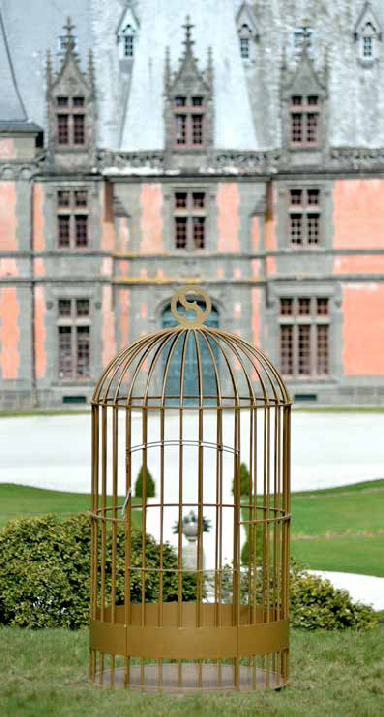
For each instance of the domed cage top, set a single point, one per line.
(189, 560)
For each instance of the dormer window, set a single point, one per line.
(367, 43)
(247, 32)
(70, 121)
(189, 115)
(305, 116)
(367, 36)
(244, 48)
(128, 46)
(127, 41)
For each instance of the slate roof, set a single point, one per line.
(31, 28)
(11, 104)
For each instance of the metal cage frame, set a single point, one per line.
(233, 634)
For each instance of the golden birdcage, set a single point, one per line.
(208, 416)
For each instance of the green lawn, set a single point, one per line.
(346, 523)
(43, 672)
(22, 501)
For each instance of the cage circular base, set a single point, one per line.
(191, 677)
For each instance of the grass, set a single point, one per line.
(334, 529)
(332, 673)
(339, 529)
(18, 501)
(362, 555)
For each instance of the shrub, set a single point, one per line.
(315, 603)
(139, 485)
(244, 480)
(44, 572)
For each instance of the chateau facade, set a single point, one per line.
(237, 145)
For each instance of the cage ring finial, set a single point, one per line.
(181, 297)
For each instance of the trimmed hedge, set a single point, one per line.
(139, 485)
(315, 603)
(44, 579)
(44, 572)
(243, 480)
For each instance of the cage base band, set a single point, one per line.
(145, 638)
(190, 678)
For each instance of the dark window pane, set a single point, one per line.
(296, 234)
(62, 101)
(304, 306)
(65, 351)
(197, 101)
(180, 232)
(312, 123)
(128, 46)
(64, 307)
(244, 47)
(82, 351)
(181, 129)
(63, 220)
(199, 232)
(322, 307)
(313, 196)
(181, 200)
(313, 223)
(78, 101)
(197, 129)
(198, 200)
(81, 198)
(78, 129)
(313, 100)
(296, 196)
(286, 307)
(322, 349)
(286, 350)
(82, 307)
(304, 350)
(62, 129)
(297, 100)
(63, 198)
(297, 127)
(81, 230)
(180, 101)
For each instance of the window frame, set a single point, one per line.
(187, 112)
(73, 210)
(74, 323)
(305, 209)
(72, 109)
(189, 214)
(313, 319)
(305, 110)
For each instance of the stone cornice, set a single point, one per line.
(264, 163)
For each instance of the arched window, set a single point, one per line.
(190, 384)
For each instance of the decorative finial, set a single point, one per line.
(210, 68)
(69, 36)
(306, 35)
(188, 42)
(284, 57)
(181, 297)
(49, 69)
(91, 69)
(167, 71)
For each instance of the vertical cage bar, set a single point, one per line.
(127, 532)
(115, 434)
